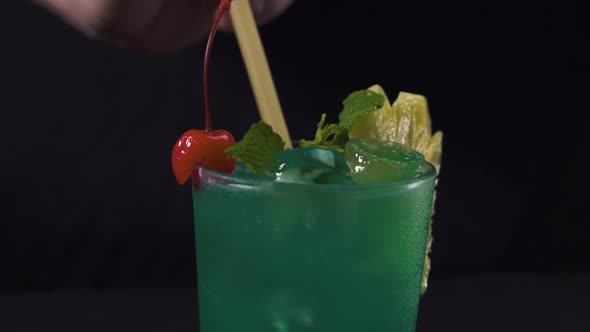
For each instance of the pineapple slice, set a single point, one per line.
(406, 121)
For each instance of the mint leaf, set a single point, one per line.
(330, 136)
(358, 104)
(257, 148)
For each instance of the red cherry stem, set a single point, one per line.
(223, 7)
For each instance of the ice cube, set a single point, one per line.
(375, 161)
(311, 165)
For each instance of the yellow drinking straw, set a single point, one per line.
(258, 69)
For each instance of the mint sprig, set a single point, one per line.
(330, 136)
(356, 105)
(359, 104)
(257, 148)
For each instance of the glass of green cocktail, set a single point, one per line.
(275, 256)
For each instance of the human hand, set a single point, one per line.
(152, 25)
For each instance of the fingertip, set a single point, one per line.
(264, 11)
(226, 24)
(267, 10)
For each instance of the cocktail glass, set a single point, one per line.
(291, 257)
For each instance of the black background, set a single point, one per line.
(86, 130)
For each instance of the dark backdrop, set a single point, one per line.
(86, 130)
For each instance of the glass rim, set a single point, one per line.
(211, 176)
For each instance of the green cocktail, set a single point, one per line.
(275, 256)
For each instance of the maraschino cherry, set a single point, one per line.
(204, 147)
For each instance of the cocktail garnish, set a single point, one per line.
(327, 136)
(407, 122)
(358, 104)
(204, 147)
(258, 147)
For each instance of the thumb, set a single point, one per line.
(264, 11)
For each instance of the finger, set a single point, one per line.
(96, 18)
(264, 12)
(178, 24)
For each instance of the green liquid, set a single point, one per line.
(285, 257)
